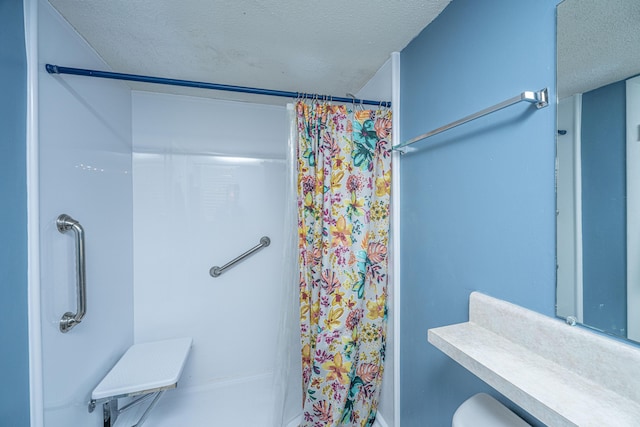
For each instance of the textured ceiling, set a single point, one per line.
(598, 43)
(328, 47)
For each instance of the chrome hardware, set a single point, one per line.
(217, 271)
(539, 98)
(69, 319)
(111, 411)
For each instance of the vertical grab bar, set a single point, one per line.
(69, 320)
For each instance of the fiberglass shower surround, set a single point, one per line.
(193, 183)
(226, 187)
(183, 177)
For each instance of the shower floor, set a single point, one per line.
(237, 402)
(242, 402)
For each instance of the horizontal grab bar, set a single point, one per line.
(540, 98)
(217, 271)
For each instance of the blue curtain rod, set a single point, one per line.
(56, 69)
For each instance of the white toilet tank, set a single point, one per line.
(483, 410)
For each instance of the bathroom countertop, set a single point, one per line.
(558, 389)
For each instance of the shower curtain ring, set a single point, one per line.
(353, 100)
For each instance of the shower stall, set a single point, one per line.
(209, 180)
(165, 187)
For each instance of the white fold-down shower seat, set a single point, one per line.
(146, 370)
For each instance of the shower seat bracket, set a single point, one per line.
(143, 373)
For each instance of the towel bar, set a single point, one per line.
(539, 98)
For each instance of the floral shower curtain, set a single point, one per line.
(344, 181)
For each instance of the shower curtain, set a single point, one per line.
(344, 181)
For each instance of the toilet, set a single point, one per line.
(482, 410)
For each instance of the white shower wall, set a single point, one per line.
(209, 182)
(84, 170)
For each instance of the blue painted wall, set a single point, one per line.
(478, 202)
(14, 352)
(604, 209)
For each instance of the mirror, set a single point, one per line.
(598, 165)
